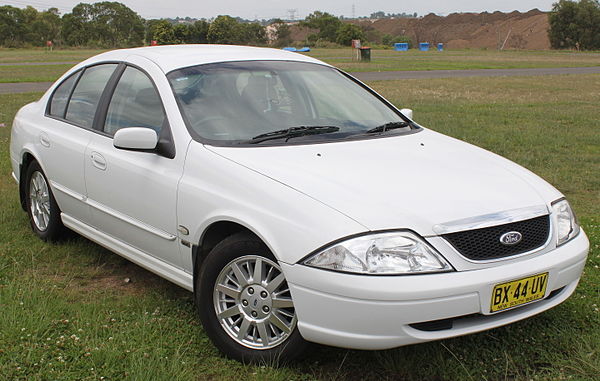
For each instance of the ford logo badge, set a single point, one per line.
(511, 238)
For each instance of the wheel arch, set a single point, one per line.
(214, 233)
(26, 159)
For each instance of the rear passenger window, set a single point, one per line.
(135, 103)
(58, 103)
(87, 93)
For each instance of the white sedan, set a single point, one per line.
(295, 202)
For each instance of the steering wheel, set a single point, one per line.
(205, 128)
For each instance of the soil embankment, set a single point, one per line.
(513, 30)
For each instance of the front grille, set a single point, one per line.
(484, 244)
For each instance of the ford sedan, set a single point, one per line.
(296, 203)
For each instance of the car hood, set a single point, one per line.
(413, 181)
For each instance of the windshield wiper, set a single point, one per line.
(291, 132)
(387, 127)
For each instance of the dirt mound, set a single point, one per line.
(513, 30)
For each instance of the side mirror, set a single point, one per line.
(135, 138)
(407, 113)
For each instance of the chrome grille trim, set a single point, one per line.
(492, 219)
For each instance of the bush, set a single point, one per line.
(326, 23)
(377, 46)
(390, 40)
(324, 44)
(348, 32)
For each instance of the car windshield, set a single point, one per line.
(277, 101)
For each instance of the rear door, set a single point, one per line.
(65, 133)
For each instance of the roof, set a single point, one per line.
(171, 57)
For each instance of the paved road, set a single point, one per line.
(6, 88)
(23, 87)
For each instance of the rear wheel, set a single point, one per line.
(43, 211)
(245, 303)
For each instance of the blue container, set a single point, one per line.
(304, 49)
(289, 49)
(424, 46)
(401, 46)
(440, 47)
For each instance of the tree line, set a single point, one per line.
(114, 25)
(573, 24)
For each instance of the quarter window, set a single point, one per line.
(87, 93)
(135, 103)
(58, 103)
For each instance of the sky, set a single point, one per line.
(267, 9)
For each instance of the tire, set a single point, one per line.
(262, 308)
(42, 209)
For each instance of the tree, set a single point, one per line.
(109, 24)
(46, 27)
(117, 25)
(252, 33)
(348, 32)
(589, 21)
(150, 30)
(12, 26)
(30, 15)
(223, 30)
(76, 28)
(575, 24)
(199, 32)
(182, 33)
(326, 23)
(164, 33)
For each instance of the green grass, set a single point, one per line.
(42, 55)
(32, 73)
(66, 312)
(389, 60)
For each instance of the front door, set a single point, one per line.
(133, 194)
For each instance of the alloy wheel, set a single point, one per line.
(39, 197)
(253, 302)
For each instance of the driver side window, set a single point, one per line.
(135, 103)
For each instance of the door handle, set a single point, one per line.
(44, 140)
(98, 161)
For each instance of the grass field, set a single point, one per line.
(43, 55)
(66, 312)
(387, 60)
(382, 60)
(32, 73)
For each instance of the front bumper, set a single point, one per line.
(376, 312)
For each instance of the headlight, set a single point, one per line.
(381, 253)
(566, 223)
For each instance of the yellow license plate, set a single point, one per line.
(516, 292)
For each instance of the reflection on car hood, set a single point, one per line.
(413, 181)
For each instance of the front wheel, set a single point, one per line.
(245, 303)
